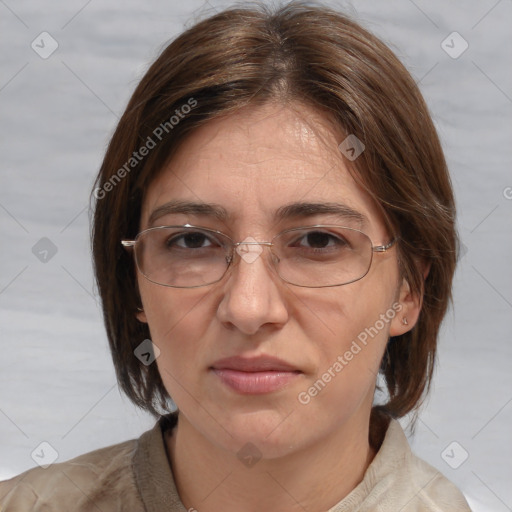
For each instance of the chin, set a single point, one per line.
(267, 431)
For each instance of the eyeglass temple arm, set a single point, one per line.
(384, 248)
(127, 243)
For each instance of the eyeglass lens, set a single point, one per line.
(316, 256)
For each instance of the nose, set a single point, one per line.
(253, 292)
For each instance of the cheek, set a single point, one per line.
(353, 314)
(349, 357)
(177, 322)
(350, 337)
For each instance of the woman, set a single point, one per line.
(273, 230)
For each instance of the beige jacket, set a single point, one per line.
(135, 476)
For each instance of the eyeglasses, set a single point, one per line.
(311, 256)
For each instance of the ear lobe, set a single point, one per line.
(141, 316)
(407, 317)
(426, 269)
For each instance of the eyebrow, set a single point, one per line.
(297, 210)
(304, 210)
(190, 208)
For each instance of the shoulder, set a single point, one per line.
(95, 480)
(434, 491)
(408, 482)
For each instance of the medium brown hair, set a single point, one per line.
(304, 54)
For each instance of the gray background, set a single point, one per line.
(57, 383)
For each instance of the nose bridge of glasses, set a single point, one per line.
(252, 242)
(250, 249)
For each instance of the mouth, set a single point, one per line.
(256, 375)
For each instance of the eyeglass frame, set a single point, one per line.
(130, 244)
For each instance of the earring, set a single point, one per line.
(140, 309)
(404, 321)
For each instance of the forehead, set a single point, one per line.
(255, 162)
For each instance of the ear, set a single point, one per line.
(410, 303)
(140, 314)
(141, 317)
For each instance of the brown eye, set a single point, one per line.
(194, 240)
(322, 240)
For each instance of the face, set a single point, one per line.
(252, 358)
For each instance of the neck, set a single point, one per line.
(209, 478)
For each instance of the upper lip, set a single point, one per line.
(253, 364)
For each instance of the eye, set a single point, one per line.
(322, 240)
(190, 240)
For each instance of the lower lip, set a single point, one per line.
(253, 383)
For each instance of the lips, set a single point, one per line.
(254, 364)
(256, 375)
